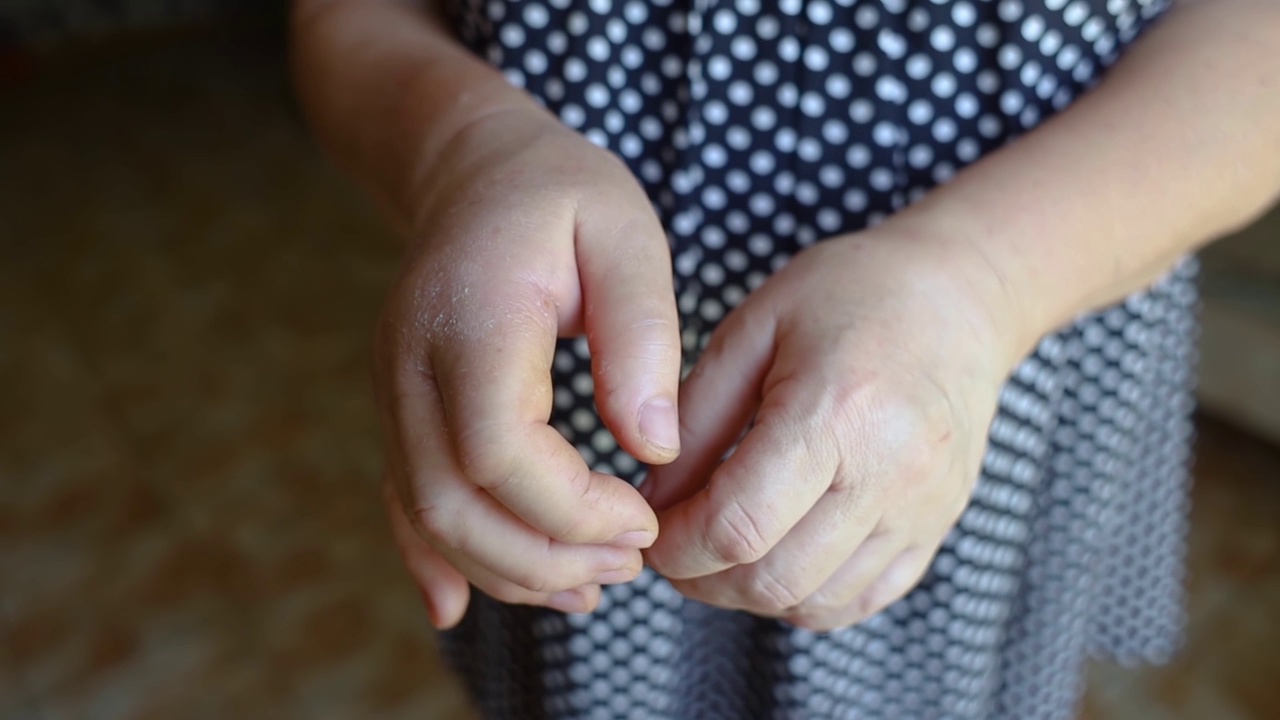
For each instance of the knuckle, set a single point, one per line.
(862, 607)
(817, 605)
(813, 622)
(529, 578)
(876, 602)
(510, 593)
(576, 527)
(436, 523)
(736, 535)
(767, 594)
(483, 461)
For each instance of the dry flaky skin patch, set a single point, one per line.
(188, 448)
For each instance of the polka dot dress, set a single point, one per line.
(759, 127)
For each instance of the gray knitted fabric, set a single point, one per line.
(759, 127)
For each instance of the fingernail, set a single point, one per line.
(646, 487)
(431, 609)
(660, 426)
(638, 539)
(613, 577)
(569, 601)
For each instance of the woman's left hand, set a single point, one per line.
(855, 389)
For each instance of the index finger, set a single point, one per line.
(497, 394)
(749, 504)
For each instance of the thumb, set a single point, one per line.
(633, 330)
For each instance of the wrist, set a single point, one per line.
(986, 287)
(386, 88)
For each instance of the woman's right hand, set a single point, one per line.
(523, 232)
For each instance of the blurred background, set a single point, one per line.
(189, 525)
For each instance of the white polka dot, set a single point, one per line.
(1009, 56)
(944, 130)
(829, 220)
(943, 85)
(1068, 57)
(788, 95)
(714, 155)
(841, 40)
(598, 48)
(990, 126)
(715, 112)
(864, 64)
(760, 245)
(1076, 13)
(831, 176)
(943, 38)
(724, 21)
(784, 184)
(573, 115)
(597, 95)
(767, 27)
(919, 66)
(809, 150)
(861, 111)
(920, 156)
(1009, 10)
(765, 72)
(789, 49)
(858, 156)
(816, 58)
(866, 16)
(819, 12)
(1030, 73)
(1050, 43)
(885, 134)
(988, 81)
(535, 62)
(719, 67)
(813, 104)
(835, 132)
(988, 35)
(790, 7)
(855, 200)
(740, 93)
(1032, 28)
(1011, 101)
(891, 89)
(965, 60)
(512, 36)
(918, 19)
(838, 86)
(891, 43)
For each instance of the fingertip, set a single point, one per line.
(447, 606)
(591, 594)
(637, 539)
(665, 488)
(579, 601)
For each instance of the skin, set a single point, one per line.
(861, 379)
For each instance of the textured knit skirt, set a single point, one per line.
(759, 127)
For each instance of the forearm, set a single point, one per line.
(385, 86)
(1179, 145)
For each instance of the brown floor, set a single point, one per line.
(188, 453)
